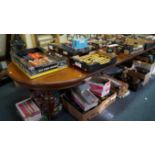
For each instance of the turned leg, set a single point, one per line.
(45, 100)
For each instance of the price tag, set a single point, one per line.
(50, 47)
(65, 53)
(78, 64)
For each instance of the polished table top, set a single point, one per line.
(62, 79)
(65, 78)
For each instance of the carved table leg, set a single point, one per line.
(45, 101)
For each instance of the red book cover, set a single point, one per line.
(31, 107)
(34, 109)
(24, 111)
(97, 93)
(27, 109)
(96, 87)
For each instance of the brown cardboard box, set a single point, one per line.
(84, 116)
(149, 66)
(144, 77)
(118, 86)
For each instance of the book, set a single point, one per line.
(85, 100)
(28, 110)
(100, 87)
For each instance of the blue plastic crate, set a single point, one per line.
(80, 43)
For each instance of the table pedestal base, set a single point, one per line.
(47, 101)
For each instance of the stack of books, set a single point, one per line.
(85, 99)
(100, 87)
(35, 63)
(28, 110)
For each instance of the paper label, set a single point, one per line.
(78, 64)
(65, 53)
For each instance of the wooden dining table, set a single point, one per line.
(59, 80)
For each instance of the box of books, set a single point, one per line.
(83, 97)
(66, 49)
(117, 85)
(75, 110)
(93, 61)
(28, 110)
(100, 87)
(149, 66)
(35, 63)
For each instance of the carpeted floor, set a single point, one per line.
(137, 106)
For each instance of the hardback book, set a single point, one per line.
(28, 110)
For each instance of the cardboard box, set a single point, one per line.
(149, 66)
(100, 87)
(144, 77)
(85, 100)
(135, 77)
(119, 86)
(84, 116)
